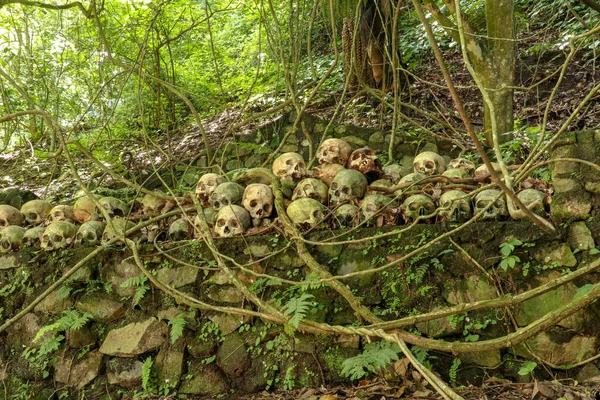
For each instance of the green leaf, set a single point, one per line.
(594, 251)
(583, 290)
(375, 356)
(177, 325)
(527, 368)
(298, 307)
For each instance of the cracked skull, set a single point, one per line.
(366, 161)
(90, 233)
(61, 213)
(226, 194)
(9, 215)
(206, 186)
(58, 235)
(348, 185)
(232, 220)
(456, 206)
(113, 206)
(418, 205)
(11, 238)
(429, 163)
(306, 213)
(258, 200)
(36, 211)
(311, 188)
(497, 202)
(290, 166)
(326, 172)
(33, 237)
(334, 151)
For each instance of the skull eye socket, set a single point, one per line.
(413, 206)
(355, 156)
(316, 214)
(267, 208)
(33, 216)
(45, 238)
(220, 223)
(499, 203)
(334, 185)
(465, 207)
(235, 223)
(307, 187)
(482, 203)
(5, 244)
(253, 203)
(429, 165)
(289, 162)
(301, 165)
(346, 190)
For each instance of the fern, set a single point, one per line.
(142, 288)
(375, 356)
(422, 354)
(148, 384)
(177, 324)
(454, 369)
(298, 308)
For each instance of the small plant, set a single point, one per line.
(509, 260)
(527, 368)
(454, 369)
(375, 356)
(177, 325)
(298, 307)
(141, 287)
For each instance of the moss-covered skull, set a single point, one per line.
(113, 206)
(311, 188)
(306, 213)
(11, 238)
(9, 215)
(334, 151)
(90, 233)
(533, 199)
(326, 172)
(84, 210)
(116, 228)
(394, 172)
(462, 163)
(258, 200)
(456, 173)
(289, 166)
(152, 204)
(33, 237)
(455, 206)
(372, 204)
(181, 229)
(418, 205)
(232, 220)
(206, 186)
(61, 212)
(36, 211)
(497, 210)
(346, 215)
(226, 194)
(348, 185)
(429, 163)
(58, 235)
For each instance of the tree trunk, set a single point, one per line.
(500, 76)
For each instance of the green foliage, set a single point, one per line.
(140, 282)
(297, 308)
(454, 369)
(527, 368)
(374, 357)
(508, 259)
(177, 325)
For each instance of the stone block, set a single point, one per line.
(207, 380)
(558, 253)
(101, 307)
(135, 339)
(75, 373)
(580, 237)
(232, 356)
(125, 372)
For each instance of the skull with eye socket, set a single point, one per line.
(206, 186)
(311, 188)
(348, 186)
(455, 206)
(417, 206)
(429, 163)
(334, 151)
(376, 209)
(226, 194)
(232, 220)
(366, 161)
(289, 166)
(497, 205)
(307, 213)
(258, 199)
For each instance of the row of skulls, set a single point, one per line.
(341, 189)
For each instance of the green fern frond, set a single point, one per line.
(375, 356)
(298, 307)
(177, 324)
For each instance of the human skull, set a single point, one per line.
(366, 161)
(393, 172)
(346, 215)
(58, 235)
(289, 166)
(410, 178)
(497, 209)
(348, 185)
(533, 199)
(382, 183)
(462, 163)
(211, 218)
(181, 229)
(152, 204)
(11, 238)
(306, 213)
(36, 211)
(311, 188)
(334, 151)
(258, 200)
(33, 237)
(90, 233)
(113, 206)
(373, 204)
(456, 173)
(456, 206)
(326, 172)
(482, 173)
(226, 194)
(232, 220)
(9, 215)
(85, 209)
(429, 163)
(116, 227)
(206, 186)
(418, 205)
(61, 213)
